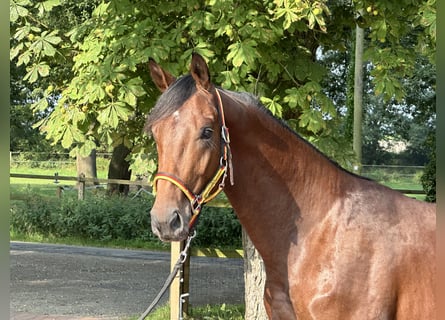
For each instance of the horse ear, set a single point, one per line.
(200, 71)
(160, 77)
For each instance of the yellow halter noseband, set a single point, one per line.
(216, 184)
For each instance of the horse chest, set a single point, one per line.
(336, 273)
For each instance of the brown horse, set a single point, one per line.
(335, 245)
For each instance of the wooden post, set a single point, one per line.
(59, 192)
(177, 287)
(81, 186)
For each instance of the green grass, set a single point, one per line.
(76, 241)
(62, 170)
(209, 312)
(407, 178)
(48, 168)
(20, 186)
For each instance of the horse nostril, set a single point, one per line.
(175, 221)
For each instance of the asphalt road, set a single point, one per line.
(48, 279)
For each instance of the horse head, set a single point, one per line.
(185, 124)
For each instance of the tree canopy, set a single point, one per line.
(90, 58)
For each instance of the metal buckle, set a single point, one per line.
(196, 203)
(225, 134)
(222, 162)
(222, 184)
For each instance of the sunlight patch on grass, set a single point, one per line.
(208, 312)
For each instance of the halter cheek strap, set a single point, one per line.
(216, 184)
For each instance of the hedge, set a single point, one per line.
(112, 217)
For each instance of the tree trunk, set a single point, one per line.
(87, 166)
(254, 280)
(119, 169)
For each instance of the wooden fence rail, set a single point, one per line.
(79, 179)
(129, 182)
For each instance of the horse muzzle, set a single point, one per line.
(171, 226)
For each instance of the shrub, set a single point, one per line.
(108, 218)
(429, 180)
(218, 227)
(33, 216)
(429, 176)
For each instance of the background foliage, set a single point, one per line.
(89, 60)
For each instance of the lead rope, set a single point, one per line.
(182, 257)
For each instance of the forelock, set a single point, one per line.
(171, 100)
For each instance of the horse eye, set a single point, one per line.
(206, 133)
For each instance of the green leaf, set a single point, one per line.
(52, 38)
(91, 92)
(131, 90)
(202, 49)
(70, 135)
(121, 111)
(209, 21)
(43, 69)
(235, 55)
(67, 139)
(17, 9)
(39, 123)
(296, 97)
(110, 116)
(289, 15)
(48, 50)
(130, 98)
(22, 32)
(15, 51)
(34, 71)
(32, 75)
(47, 6)
(230, 79)
(77, 116)
(243, 52)
(311, 19)
(101, 9)
(312, 86)
(311, 120)
(273, 105)
(40, 105)
(381, 30)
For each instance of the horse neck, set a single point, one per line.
(280, 181)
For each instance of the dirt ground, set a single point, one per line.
(72, 282)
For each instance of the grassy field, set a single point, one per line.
(20, 186)
(214, 312)
(399, 178)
